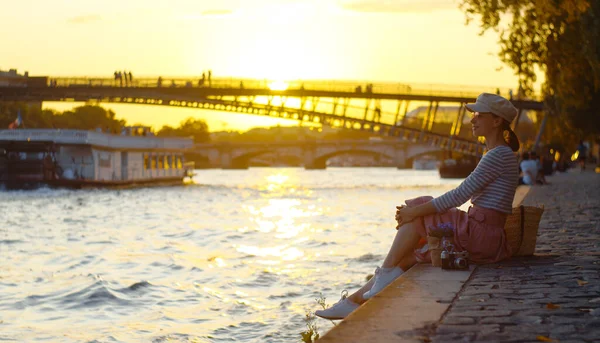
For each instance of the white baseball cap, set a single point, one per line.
(492, 103)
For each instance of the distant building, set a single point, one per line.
(13, 79)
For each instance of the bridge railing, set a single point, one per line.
(363, 87)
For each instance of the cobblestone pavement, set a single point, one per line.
(552, 296)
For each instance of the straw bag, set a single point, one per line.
(521, 229)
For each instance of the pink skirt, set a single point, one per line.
(480, 231)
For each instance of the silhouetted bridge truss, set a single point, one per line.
(319, 103)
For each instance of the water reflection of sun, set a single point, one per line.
(283, 252)
(279, 216)
(277, 181)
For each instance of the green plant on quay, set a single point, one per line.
(312, 333)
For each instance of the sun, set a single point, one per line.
(282, 43)
(278, 85)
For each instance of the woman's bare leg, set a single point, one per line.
(405, 264)
(400, 254)
(404, 243)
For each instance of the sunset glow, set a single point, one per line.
(366, 40)
(278, 86)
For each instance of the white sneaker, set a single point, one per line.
(339, 310)
(383, 277)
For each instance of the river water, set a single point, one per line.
(237, 256)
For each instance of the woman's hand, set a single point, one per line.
(404, 215)
(398, 219)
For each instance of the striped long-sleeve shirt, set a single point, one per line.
(491, 185)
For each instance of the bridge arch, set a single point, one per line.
(320, 161)
(242, 161)
(439, 154)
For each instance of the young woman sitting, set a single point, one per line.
(480, 231)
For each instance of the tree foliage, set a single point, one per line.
(86, 117)
(90, 117)
(195, 128)
(562, 39)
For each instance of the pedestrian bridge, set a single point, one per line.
(382, 109)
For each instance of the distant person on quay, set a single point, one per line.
(581, 152)
(529, 168)
(540, 179)
(480, 231)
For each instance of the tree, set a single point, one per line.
(89, 117)
(195, 128)
(86, 117)
(562, 39)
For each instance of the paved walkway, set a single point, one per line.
(553, 296)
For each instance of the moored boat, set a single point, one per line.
(31, 158)
(452, 169)
(425, 163)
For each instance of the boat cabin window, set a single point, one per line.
(23, 156)
(178, 161)
(153, 162)
(167, 161)
(160, 159)
(104, 159)
(146, 161)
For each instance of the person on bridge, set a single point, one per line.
(480, 231)
(377, 114)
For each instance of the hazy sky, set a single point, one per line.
(418, 41)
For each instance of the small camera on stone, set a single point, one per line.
(454, 260)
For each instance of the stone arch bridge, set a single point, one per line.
(314, 154)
